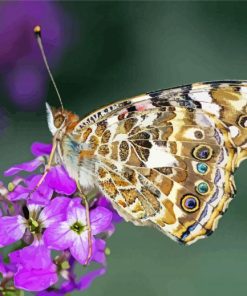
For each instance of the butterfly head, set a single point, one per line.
(60, 119)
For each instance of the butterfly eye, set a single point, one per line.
(202, 152)
(202, 187)
(242, 121)
(190, 203)
(58, 121)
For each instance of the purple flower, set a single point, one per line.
(29, 166)
(87, 279)
(82, 284)
(56, 180)
(104, 202)
(40, 196)
(43, 220)
(19, 53)
(7, 269)
(36, 270)
(13, 228)
(40, 149)
(72, 233)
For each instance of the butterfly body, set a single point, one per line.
(165, 158)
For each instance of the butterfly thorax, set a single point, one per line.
(78, 160)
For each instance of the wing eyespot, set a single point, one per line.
(202, 168)
(198, 134)
(202, 187)
(190, 203)
(202, 152)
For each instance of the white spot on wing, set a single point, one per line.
(234, 131)
(206, 102)
(211, 108)
(201, 96)
(203, 120)
(190, 133)
(158, 157)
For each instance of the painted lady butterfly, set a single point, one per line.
(165, 158)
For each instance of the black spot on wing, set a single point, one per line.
(131, 109)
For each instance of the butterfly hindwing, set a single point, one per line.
(167, 158)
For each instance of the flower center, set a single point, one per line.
(78, 227)
(33, 225)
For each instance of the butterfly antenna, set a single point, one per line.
(37, 32)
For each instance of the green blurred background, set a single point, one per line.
(123, 49)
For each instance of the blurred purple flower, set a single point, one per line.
(20, 60)
(72, 233)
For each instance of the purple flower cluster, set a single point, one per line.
(46, 230)
(21, 64)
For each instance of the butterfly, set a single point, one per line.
(164, 159)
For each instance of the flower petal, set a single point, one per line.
(11, 229)
(35, 256)
(68, 286)
(36, 270)
(99, 253)
(59, 236)
(40, 196)
(35, 279)
(104, 202)
(7, 269)
(50, 293)
(100, 219)
(29, 166)
(86, 280)
(76, 212)
(39, 149)
(56, 211)
(59, 180)
(79, 250)
(20, 192)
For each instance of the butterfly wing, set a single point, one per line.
(167, 158)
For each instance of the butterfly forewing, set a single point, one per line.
(167, 158)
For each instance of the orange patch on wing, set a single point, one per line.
(130, 195)
(118, 181)
(86, 154)
(109, 188)
(169, 216)
(86, 134)
(122, 203)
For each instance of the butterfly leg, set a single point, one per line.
(47, 169)
(83, 196)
